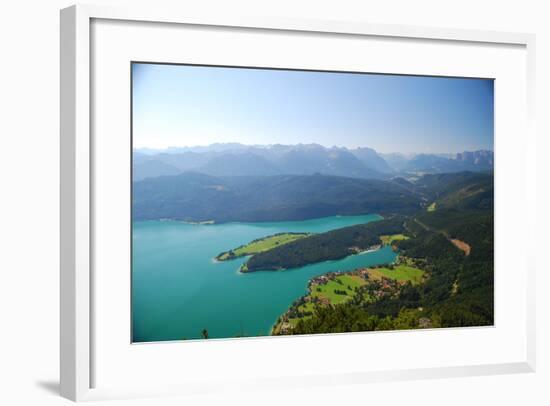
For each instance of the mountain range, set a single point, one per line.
(196, 197)
(234, 159)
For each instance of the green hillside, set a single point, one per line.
(331, 245)
(435, 283)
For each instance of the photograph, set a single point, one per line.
(277, 202)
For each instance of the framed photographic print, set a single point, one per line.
(241, 199)
(254, 192)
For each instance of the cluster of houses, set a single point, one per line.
(357, 250)
(284, 327)
(324, 279)
(386, 286)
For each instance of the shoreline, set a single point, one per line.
(213, 222)
(283, 319)
(316, 280)
(169, 220)
(370, 249)
(230, 255)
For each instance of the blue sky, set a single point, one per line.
(178, 105)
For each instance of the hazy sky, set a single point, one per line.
(177, 105)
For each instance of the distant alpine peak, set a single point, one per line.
(479, 157)
(476, 153)
(236, 159)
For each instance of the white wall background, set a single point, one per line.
(29, 211)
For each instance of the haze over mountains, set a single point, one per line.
(197, 197)
(235, 159)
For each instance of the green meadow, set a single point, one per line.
(389, 239)
(334, 290)
(401, 273)
(261, 245)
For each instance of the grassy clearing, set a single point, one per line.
(333, 290)
(389, 239)
(401, 273)
(303, 308)
(306, 307)
(261, 245)
(344, 287)
(328, 292)
(432, 207)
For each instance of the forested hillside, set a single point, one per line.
(452, 244)
(331, 245)
(198, 197)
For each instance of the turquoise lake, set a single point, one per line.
(178, 289)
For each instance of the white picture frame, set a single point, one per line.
(77, 356)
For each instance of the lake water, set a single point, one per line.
(178, 289)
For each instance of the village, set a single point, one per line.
(362, 285)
